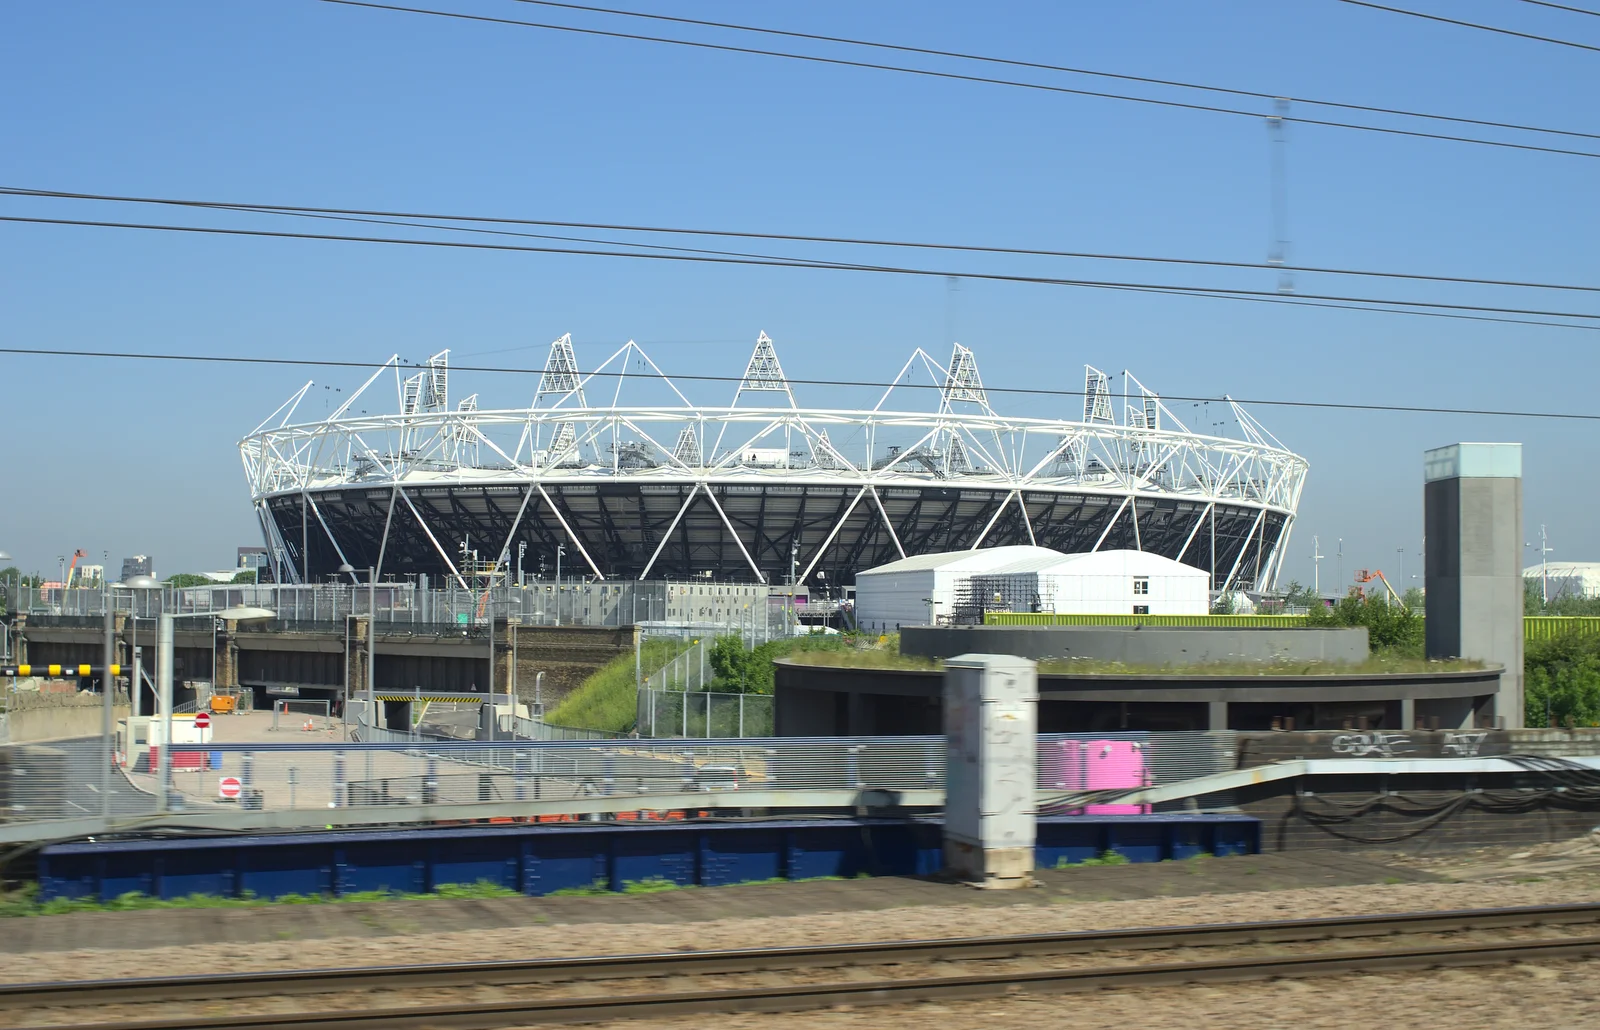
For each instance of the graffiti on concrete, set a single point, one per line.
(1372, 745)
(1464, 745)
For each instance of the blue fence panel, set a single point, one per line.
(557, 859)
(755, 854)
(476, 859)
(640, 854)
(274, 872)
(382, 864)
(540, 860)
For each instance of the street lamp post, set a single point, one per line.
(166, 627)
(560, 550)
(15, 596)
(372, 640)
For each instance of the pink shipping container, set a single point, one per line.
(1097, 765)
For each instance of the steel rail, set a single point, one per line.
(801, 997)
(211, 987)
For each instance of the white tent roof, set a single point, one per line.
(983, 560)
(1025, 558)
(1564, 568)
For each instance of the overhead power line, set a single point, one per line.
(373, 215)
(231, 359)
(1563, 7)
(955, 76)
(1067, 69)
(1475, 25)
(780, 261)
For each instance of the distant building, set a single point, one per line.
(253, 558)
(138, 565)
(1566, 578)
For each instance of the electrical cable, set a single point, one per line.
(1562, 7)
(369, 366)
(1040, 66)
(928, 73)
(249, 207)
(1465, 24)
(776, 261)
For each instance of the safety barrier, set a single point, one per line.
(1230, 621)
(1534, 627)
(43, 788)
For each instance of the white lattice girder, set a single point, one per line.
(1152, 456)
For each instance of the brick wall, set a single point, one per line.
(567, 655)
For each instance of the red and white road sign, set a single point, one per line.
(202, 720)
(228, 787)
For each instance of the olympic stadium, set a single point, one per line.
(763, 489)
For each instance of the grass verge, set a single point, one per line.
(609, 700)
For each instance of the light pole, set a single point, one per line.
(135, 665)
(560, 550)
(372, 640)
(166, 628)
(10, 604)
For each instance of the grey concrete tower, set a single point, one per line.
(1472, 515)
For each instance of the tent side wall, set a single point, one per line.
(885, 601)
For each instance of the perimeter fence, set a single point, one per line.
(76, 779)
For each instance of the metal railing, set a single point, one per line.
(690, 670)
(677, 713)
(296, 783)
(658, 604)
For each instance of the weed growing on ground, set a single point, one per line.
(25, 901)
(650, 885)
(1112, 857)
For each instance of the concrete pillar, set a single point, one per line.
(857, 716)
(991, 707)
(1218, 713)
(1408, 714)
(1472, 515)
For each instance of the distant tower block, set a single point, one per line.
(1472, 515)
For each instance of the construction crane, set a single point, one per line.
(1364, 576)
(73, 568)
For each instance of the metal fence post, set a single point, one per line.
(339, 788)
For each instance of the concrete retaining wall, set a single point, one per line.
(33, 716)
(1140, 645)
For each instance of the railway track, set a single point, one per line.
(853, 989)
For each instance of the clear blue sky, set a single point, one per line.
(294, 101)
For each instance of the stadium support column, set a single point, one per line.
(1472, 518)
(990, 719)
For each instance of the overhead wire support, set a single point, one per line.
(1278, 254)
(960, 77)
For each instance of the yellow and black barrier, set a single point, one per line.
(57, 670)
